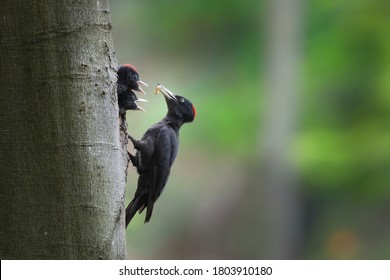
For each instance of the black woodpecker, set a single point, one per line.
(128, 82)
(156, 152)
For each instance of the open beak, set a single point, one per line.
(142, 83)
(139, 86)
(140, 108)
(140, 100)
(167, 93)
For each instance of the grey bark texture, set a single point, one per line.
(62, 160)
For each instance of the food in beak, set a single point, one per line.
(167, 93)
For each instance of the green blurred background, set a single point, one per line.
(259, 177)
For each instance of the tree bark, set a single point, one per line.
(62, 165)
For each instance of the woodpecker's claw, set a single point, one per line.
(133, 140)
(123, 127)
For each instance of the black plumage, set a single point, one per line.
(128, 82)
(156, 152)
(127, 100)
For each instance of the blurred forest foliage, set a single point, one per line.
(213, 53)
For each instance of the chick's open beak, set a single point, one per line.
(142, 83)
(139, 87)
(140, 108)
(141, 100)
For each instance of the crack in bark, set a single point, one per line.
(88, 144)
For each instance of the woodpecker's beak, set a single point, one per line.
(167, 93)
(143, 83)
(139, 107)
(139, 86)
(141, 100)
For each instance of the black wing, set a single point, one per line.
(165, 150)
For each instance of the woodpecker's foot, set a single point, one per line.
(123, 126)
(133, 140)
(139, 145)
(134, 160)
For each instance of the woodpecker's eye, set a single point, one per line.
(182, 100)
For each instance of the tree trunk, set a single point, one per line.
(280, 190)
(62, 161)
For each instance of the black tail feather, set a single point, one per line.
(149, 211)
(132, 208)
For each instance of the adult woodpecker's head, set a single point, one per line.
(179, 107)
(128, 75)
